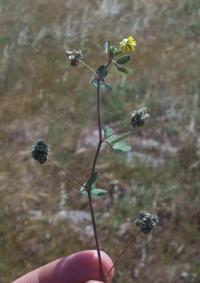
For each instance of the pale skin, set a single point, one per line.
(80, 267)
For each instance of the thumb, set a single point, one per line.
(76, 268)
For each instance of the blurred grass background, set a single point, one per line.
(43, 216)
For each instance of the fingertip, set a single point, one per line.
(76, 268)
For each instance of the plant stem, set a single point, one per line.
(96, 236)
(99, 128)
(123, 252)
(58, 165)
(92, 172)
(98, 105)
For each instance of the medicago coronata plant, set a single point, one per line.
(116, 57)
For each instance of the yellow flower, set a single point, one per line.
(128, 44)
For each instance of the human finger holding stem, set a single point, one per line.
(79, 267)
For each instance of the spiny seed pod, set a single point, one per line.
(74, 56)
(40, 151)
(138, 117)
(147, 222)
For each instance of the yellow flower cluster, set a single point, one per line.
(128, 44)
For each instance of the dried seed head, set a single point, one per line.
(74, 56)
(147, 222)
(40, 151)
(138, 117)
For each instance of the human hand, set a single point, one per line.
(76, 268)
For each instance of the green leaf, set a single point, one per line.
(102, 71)
(98, 192)
(121, 146)
(107, 86)
(113, 138)
(116, 141)
(95, 192)
(118, 138)
(122, 70)
(107, 132)
(113, 50)
(123, 60)
(103, 85)
(91, 183)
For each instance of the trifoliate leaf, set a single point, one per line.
(95, 192)
(109, 134)
(123, 60)
(117, 138)
(98, 192)
(113, 138)
(116, 141)
(91, 183)
(103, 85)
(122, 70)
(122, 146)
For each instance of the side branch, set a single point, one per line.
(58, 165)
(123, 252)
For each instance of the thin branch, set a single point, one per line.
(123, 252)
(87, 66)
(58, 165)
